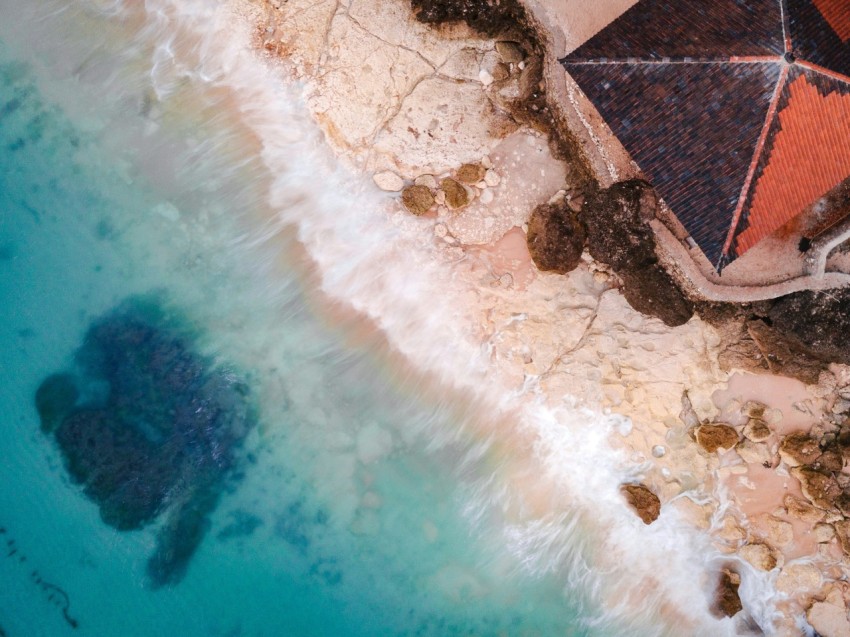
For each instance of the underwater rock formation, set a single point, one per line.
(147, 427)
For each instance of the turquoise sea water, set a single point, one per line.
(343, 518)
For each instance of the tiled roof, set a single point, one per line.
(738, 112)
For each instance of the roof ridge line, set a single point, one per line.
(757, 153)
(767, 59)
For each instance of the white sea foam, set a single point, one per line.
(553, 498)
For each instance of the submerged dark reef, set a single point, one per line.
(148, 427)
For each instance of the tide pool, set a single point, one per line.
(345, 515)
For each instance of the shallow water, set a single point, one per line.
(347, 515)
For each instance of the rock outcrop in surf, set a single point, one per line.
(148, 428)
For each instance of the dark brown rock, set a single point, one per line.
(817, 321)
(456, 194)
(798, 449)
(782, 355)
(417, 199)
(619, 235)
(555, 238)
(820, 489)
(644, 502)
(727, 602)
(470, 173)
(716, 436)
(485, 16)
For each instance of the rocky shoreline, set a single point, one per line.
(444, 103)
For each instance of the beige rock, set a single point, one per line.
(730, 530)
(484, 77)
(471, 173)
(753, 409)
(756, 430)
(798, 449)
(486, 196)
(777, 532)
(456, 195)
(821, 490)
(643, 501)
(388, 181)
(699, 515)
(824, 533)
(712, 437)
(429, 181)
(755, 452)
(491, 178)
(828, 619)
(761, 556)
(510, 52)
(802, 510)
(417, 199)
(797, 578)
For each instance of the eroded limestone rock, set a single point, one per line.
(756, 430)
(555, 238)
(712, 437)
(799, 449)
(470, 173)
(456, 195)
(727, 602)
(761, 556)
(643, 501)
(829, 620)
(821, 490)
(620, 236)
(417, 199)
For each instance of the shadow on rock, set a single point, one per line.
(148, 428)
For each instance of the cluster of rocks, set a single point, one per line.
(451, 191)
(817, 459)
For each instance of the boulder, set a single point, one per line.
(755, 453)
(456, 195)
(798, 449)
(820, 489)
(417, 199)
(829, 620)
(471, 173)
(555, 238)
(756, 430)
(761, 556)
(388, 181)
(802, 510)
(727, 602)
(619, 235)
(644, 502)
(712, 437)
